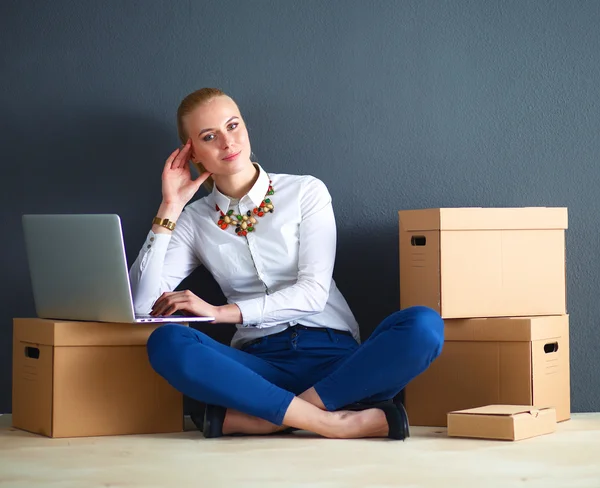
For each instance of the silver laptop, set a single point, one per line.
(79, 269)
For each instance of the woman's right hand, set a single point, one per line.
(178, 188)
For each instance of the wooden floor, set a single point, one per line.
(568, 458)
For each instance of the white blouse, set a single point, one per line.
(279, 275)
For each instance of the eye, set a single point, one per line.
(233, 125)
(208, 137)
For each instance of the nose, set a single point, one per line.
(226, 140)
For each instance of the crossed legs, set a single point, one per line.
(401, 347)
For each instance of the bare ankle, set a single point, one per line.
(353, 425)
(311, 396)
(240, 423)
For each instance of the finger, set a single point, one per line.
(183, 156)
(161, 298)
(160, 303)
(168, 302)
(172, 307)
(160, 310)
(202, 178)
(171, 158)
(171, 310)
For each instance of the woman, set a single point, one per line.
(269, 240)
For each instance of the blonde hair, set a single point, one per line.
(188, 105)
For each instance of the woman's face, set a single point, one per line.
(219, 137)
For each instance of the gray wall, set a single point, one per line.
(394, 104)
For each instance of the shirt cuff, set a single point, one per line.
(158, 242)
(251, 311)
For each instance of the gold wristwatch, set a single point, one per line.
(169, 224)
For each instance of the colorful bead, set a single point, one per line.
(246, 223)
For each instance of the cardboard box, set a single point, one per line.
(506, 361)
(73, 379)
(484, 262)
(504, 422)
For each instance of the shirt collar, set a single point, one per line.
(256, 194)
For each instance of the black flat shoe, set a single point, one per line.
(396, 416)
(209, 420)
(212, 424)
(197, 416)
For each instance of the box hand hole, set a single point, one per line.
(418, 240)
(32, 352)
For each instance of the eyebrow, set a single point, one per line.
(208, 130)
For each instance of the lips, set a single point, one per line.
(231, 157)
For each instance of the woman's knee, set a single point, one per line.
(429, 326)
(163, 343)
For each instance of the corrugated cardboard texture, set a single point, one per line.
(471, 373)
(110, 391)
(32, 387)
(92, 379)
(551, 373)
(503, 422)
(485, 271)
(420, 267)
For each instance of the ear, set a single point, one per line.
(191, 155)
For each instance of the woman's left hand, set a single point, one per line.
(170, 302)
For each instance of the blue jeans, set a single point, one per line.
(262, 379)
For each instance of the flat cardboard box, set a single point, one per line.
(503, 422)
(484, 262)
(74, 379)
(495, 361)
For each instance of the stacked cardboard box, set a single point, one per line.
(497, 278)
(79, 379)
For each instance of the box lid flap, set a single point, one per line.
(502, 410)
(479, 218)
(505, 329)
(75, 333)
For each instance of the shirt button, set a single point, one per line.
(151, 239)
(149, 246)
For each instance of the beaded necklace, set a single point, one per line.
(245, 223)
